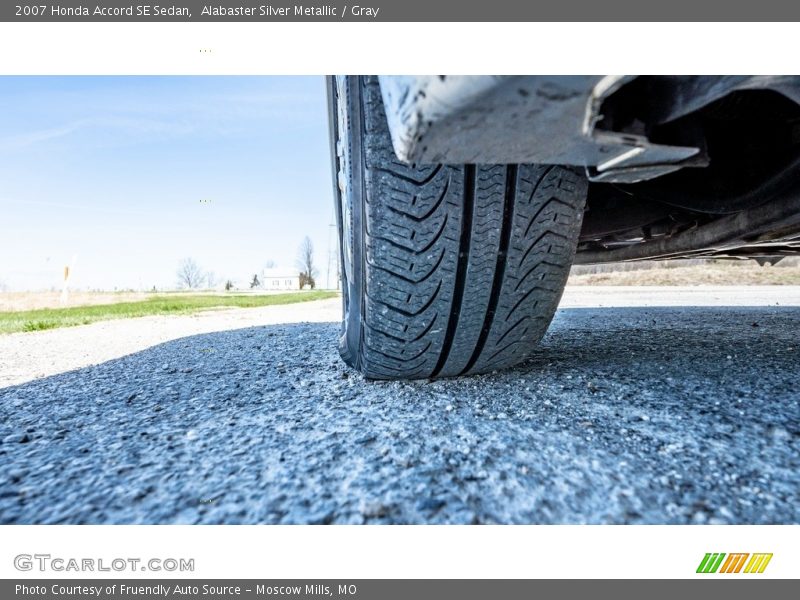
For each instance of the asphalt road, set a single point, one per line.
(626, 415)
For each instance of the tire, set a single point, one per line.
(446, 270)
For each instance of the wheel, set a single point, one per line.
(446, 270)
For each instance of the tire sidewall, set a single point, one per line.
(352, 274)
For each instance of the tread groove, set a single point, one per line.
(407, 313)
(500, 267)
(461, 269)
(415, 252)
(539, 239)
(411, 180)
(533, 268)
(427, 215)
(409, 279)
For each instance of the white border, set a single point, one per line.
(317, 48)
(398, 48)
(372, 552)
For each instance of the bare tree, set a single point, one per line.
(3, 286)
(190, 275)
(305, 262)
(270, 264)
(211, 279)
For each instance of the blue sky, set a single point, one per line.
(112, 170)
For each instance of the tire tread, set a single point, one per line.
(464, 265)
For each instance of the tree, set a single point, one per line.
(270, 264)
(211, 279)
(190, 275)
(305, 280)
(305, 262)
(255, 283)
(228, 285)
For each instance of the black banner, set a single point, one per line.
(405, 10)
(392, 589)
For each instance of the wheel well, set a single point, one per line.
(749, 158)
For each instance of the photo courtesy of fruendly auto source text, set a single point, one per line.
(284, 311)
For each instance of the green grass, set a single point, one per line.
(50, 318)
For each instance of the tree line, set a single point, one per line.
(191, 276)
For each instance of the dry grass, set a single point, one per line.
(13, 301)
(716, 273)
(19, 301)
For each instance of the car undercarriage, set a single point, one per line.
(678, 166)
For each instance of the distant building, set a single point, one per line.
(280, 279)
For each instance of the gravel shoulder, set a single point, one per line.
(28, 356)
(683, 410)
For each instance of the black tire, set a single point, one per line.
(447, 270)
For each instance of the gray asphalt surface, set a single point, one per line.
(626, 415)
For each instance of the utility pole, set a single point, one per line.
(68, 270)
(333, 251)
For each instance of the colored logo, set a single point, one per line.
(719, 562)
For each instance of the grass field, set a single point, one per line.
(717, 273)
(50, 318)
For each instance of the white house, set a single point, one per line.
(280, 279)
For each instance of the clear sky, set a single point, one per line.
(132, 174)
